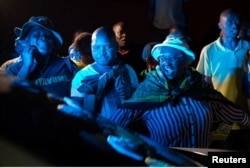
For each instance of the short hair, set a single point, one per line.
(82, 42)
(104, 31)
(229, 11)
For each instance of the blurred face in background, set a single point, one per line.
(42, 39)
(120, 31)
(80, 50)
(229, 24)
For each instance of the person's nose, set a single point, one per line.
(124, 35)
(235, 25)
(45, 38)
(169, 63)
(103, 50)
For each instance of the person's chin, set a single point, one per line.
(170, 76)
(234, 33)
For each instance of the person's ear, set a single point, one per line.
(220, 25)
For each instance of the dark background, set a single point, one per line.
(70, 15)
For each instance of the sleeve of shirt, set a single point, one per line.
(87, 75)
(230, 113)
(75, 84)
(124, 117)
(203, 65)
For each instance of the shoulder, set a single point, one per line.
(131, 70)
(86, 71)
(244, 43)
(129, 67)
(132, 74)
(66, 61)
(212, 44)
(83, 74)
(212, 47)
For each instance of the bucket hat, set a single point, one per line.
(41, 22)
(175, 40)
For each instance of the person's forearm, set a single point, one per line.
(24, 73)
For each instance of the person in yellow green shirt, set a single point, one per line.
(221, 62)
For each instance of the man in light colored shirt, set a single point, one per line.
(102, 85)
(221, 63)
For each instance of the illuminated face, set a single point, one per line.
(121, 35)
(230, 25)
(103, 49)
(172, 63)
(42, 39)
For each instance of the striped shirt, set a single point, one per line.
(186, 124)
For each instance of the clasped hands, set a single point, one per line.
(119, 75)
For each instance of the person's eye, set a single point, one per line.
(47, 36)
(161, 59)
(35, 35)
(109, 47)
(96, 47)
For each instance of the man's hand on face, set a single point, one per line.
(29, 55)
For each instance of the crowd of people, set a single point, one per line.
(153, 90)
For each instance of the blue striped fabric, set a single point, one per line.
(186, 124)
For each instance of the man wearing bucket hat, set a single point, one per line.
(37, 62)
(175, 104)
